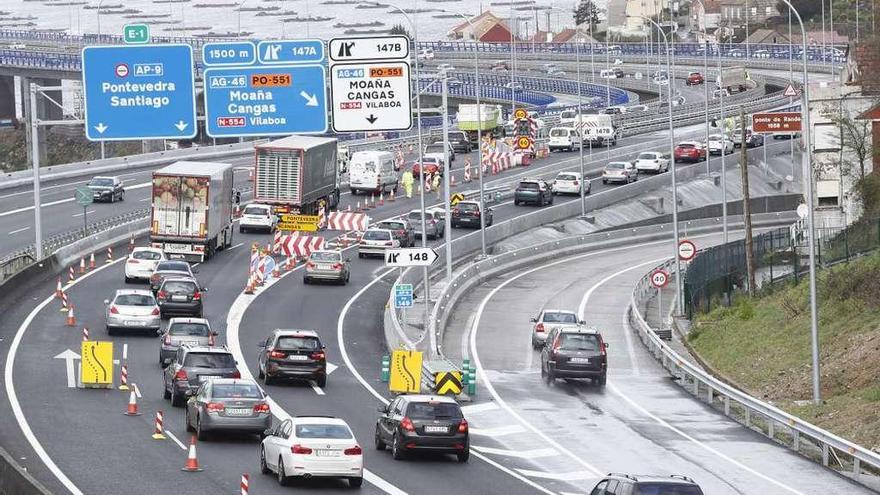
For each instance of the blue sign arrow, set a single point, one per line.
(290, 51)
(265, 101)
(231, 53)
(139, 92)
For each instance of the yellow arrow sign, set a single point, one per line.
(456, 198)
(406, 371)
(447, 382)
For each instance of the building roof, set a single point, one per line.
(864, 65)
(571, 35)
(480, 26)
(464, 26)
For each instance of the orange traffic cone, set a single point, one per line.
(358, 207)
(451, 180)
(132, 405)
(290, 264)
(369, 204)
(276, 272)
(192, 462)
(71, 319)
(92, 261)
(381, 198)
(349, 208)
(391, 197)
(249, 287)
(59, 292)
(131, 243)
(82, 265)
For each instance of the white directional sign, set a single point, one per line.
(410, 257)
(371, 89)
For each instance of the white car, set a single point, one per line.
(717, 144)
(445, 67)
(550, 319)
(514, 85)
(312, 447)
(651, 161)
(719, 92)
(257, 217)
(376, 242)
(570, 183)
(761, 54)
(620, 172)
(564, 138)
(142, 262)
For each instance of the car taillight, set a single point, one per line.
(389, 243)
(362, 242)
(155, 312)
(337, 266)
(601, 347)
(277, 355)
(211, 339)
(539, 327)
(161, 294)
(356, 450)
(167, 340)
(261, 408)
(215, 407)
(310, 265)
(463, 426)
(407, 424)
(132, 261)
(318, 356)
(235, 374)
(114, 310)
(154, 278)
(197, 296)
(456, 211)
(299, 449)
(181, 375)
(401, 232)
(556, 343)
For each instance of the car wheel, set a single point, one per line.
(127, 280)
(360, 255)
(355, 482)
(550, 201)
(515, 202)
(264, 468)
(189, 428)
(110, 331)
(240, 229)
(396, 449)
(347, 277)
(283, 480)
(306, 280)
(377, 440)
(548, 376)
(590, 188)
(201, 434)
(268, 380)
(321, 381)
(604, 181)
(601, 381)
(122, 196)
(165, 392)
(260, 374)
(176, 399)
(463, 456)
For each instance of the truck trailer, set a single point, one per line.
(485, 118)
(192, 209)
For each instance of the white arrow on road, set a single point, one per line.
(330, 369)
(311, 100)
(181, 125)
(69, 357)
(100, 128)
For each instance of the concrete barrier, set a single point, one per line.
(14, 480)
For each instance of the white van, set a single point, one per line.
(608, 74)
(372, 171)
(564, 138)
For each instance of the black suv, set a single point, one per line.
(170, 268)
(401, 230)
(571, 352)
(193, 365)
(108, 189)
(628, 484)
(180, 296)
(423, 422)
(534, 191)
(468, 213)
(294, 354)
(459, 141)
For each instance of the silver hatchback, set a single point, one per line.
(327, 265)
(180, 331)
(550, 319)
(132, 309)
(230, 405)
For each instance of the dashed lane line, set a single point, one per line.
(519, 454)
(566, 476)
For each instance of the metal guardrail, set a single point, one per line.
(798, 435)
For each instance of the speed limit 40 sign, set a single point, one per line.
(659, 279)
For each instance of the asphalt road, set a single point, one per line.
(641, 422)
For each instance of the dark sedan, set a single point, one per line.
(423, 423)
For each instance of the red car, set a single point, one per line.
(431, 167)
(690, 151)
(694, 79)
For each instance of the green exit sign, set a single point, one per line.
(136, 33)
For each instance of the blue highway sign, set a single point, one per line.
(230, 53)
(403, 296)
(290, 51)
(139, 92)
(265, 101)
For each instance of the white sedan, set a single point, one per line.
(570, 183)
(376, 242)
(719, 144)
(307, 447)
(142, 262)
(652, 161)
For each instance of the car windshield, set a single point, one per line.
(323, 431)
(146, 255)
(236, 391)
(559, 132)
(325, 256)
(686, 146)
(173, 266)
(390, 225)
(377, 235)
(668, 489)
(366, 167)
(529, 185)
(579, 342)
(555, 317)
(189, 329)
(715, 137)
(647, 156)
(209, 360)
(434, 148)
(468, 207)
(179, 287)
(135, 300)
(101, 182)
(615, 165)
(291, 343)
(433, 410)
(417, 216)
(254, 210)
(566, 177)
(568, 114)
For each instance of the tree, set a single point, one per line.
(854, 140)
(586, 11)
(399, 29)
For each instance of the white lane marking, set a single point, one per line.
(173, 437)
(568, 476)
(18, 230)
(125, 352)
(479, 408)
(499, 431)
(62, 201)
(233, 322)
(512, 473)
(582, 307)
(69, 357)
(12, 395)
(237, 245)
(144, 200)
(137, 391)
(318, 390)
(80, 214)
(520, 454)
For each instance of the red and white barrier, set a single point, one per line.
(159, 431)
(301, 246)
(343, 220)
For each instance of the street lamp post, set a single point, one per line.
(721, 90)
(238, 30)
(679, 295)
(99, 18)
(577, 51)
(706, 78)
